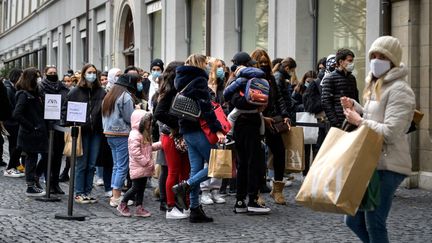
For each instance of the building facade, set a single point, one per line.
(118, 33)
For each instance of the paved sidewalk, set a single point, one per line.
(23, 219)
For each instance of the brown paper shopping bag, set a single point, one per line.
(340, 173)
(67, 151)
(220, 163)
(294, 149)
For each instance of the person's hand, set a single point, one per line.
(288, 122)
(221, 137)
(346, 102)
(268, 122)
(353, 117)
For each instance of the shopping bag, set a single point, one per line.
(310, 133)
(340, 173)
(221, 117)
(67, 151)
(294, 149)
(220, 163)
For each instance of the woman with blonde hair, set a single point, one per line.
(194, 77)
(388, 110)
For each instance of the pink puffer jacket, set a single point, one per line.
(141, 163)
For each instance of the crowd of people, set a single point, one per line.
(129, 128)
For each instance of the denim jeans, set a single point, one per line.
(370, 226)
(199, 153)
(120, 154)
(85, 164)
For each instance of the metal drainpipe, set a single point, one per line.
(208, 28)
(275, 29)
(385, 28)
(86, 58)
(239, 22)
(188, 25)
(313, 11)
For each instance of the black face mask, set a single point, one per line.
(331, 68)
(52, 78)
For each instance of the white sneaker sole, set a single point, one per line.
(35, 194)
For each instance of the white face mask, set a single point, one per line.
(379, 67)
(350, 67)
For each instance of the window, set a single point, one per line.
(103, 62)
(254, 32)
(84, 50)
(342, 24)
(54, 56)
(68, 55)
(157, 34)
(197, 30)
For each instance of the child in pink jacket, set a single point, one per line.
(141, 164)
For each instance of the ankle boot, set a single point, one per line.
(277, 192)
(197, 215)
(64, 176)
(56, 189)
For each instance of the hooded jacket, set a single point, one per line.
(391, 117)
(197, 90)
(141, 163)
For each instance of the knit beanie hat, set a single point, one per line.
(157, 62)
(390, 47)
(331, 60)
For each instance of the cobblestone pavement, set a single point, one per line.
(23, 219)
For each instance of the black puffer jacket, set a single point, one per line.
(334, 86)
(276, 105)
(29, 113)
(285, 90)
(197, 90)
(93, 98)
(312, 98)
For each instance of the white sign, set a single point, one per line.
(76, 111)
(154, 7)
(52, 107)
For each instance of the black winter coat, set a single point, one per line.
(5, 107)
(29, 113)
(11, 92)
(276, 105)
(312, 98)
(334, 86)
(48, 87)
(93, 98)
(197, 90)
(286, 90)
(162, 110)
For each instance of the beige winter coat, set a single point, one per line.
(391, 116)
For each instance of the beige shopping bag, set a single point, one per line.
(220, 163)
(294, 149)
(67, 151)
(340, 173)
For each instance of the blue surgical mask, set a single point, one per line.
(156, 74)
(307, 84)
(139, 87)
(220, 73)
(91, 77)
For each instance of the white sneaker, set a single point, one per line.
(13, 173)
(174, 213)
(186, 212)
(108, 194)
(115, 202)
(217, 198)
(99, 182)
(206, 198)
(288, 183)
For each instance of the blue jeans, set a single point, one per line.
(85, 165)
(120, 154)
(199, 153)
(370, 226)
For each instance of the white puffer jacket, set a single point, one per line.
(391, 116)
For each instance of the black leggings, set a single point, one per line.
(276, 146)
(162, 182)
(136, 192)
(14, 151)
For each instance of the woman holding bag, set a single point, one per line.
(388, 110)
(194, 75)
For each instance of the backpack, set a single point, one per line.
(257, 91)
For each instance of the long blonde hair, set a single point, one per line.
(375, 85)
(145, 128)
(196, 60)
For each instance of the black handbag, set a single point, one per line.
(184, 107)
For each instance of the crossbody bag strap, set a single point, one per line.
(181, 91)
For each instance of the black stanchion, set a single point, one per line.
(47, 197)
(69, 215)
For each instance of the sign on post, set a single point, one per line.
(52, 107)
(76, 111)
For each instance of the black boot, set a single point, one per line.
(56, 189)
(181, 191)
(163, 206)
(197, 215)
(64, 177)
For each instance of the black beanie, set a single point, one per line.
(157, 62)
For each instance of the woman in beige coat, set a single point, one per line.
(388, 110)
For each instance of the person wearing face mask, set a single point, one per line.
(113, 75)
(339, 83)
(52, 85)
(156, 68)
(88, 90)
(388, 110)
(283, 76)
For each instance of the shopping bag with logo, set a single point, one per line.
(222, 118)
(340, 173)
(294, 149)
(220, 163)
(67, 151)
(310, 133)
